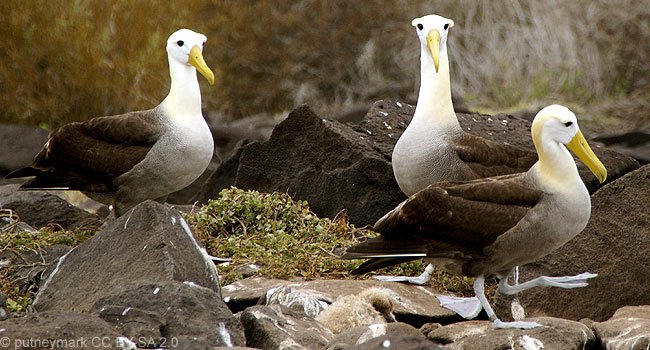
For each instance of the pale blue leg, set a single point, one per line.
(419, 280)
(479, 290)
(576, 281)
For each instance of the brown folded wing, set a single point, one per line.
(488, 158)
(449, 219)
(89, 155)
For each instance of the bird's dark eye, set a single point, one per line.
(567, 124)
(420, 26)
(446, 26)
(180, 43)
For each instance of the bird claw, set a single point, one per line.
(569, 281)
(576, 281)
(419, 280)
(467, 308)
(413, 280)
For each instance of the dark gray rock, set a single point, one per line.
(278, 327)
(628, 329)
(151, 244)
(191, 315)
(228, 135)
(40, 208)
(614, 245)
(474, 335)
(19, 145)
(362, 335)
(133, 322)
(414, 305)
(635, 144)
(61, 330)
(326, 163)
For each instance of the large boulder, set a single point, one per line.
(336, 166)
(628, 329)
(171, 314)
(40, 208)
(60, 330)
(481, 335)
(151, 244)
(614, 245)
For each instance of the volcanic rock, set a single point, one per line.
(152, 243)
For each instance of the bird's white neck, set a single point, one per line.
(556, 166)
(184, 96)
(434, 100)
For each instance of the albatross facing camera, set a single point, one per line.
(123, 160)
(488, 226)
(434, 147)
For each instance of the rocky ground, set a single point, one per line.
(144, 280)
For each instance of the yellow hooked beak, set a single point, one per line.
(433, 44)
(579, 146)
(196, 59)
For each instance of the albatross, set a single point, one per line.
(485, 227)
(122, 160)
(434, 147)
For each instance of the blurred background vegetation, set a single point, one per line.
(69, 60)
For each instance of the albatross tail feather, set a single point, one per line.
(54, 180)
(384, 253)
(23, 172)
(378, 263)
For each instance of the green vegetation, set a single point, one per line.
(274, 231)
(66, 61)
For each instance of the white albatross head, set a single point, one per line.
(185, 47)
(432, 31)
(557, 124)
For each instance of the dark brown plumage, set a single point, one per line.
(449, 220)
(486, 158)
(88, 156)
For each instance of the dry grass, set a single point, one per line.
(23, 256)
(72, 60)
